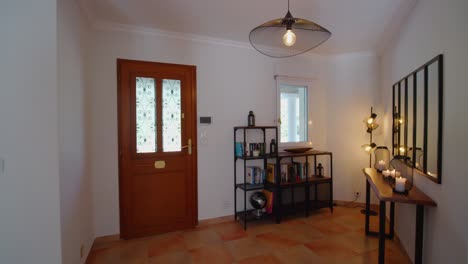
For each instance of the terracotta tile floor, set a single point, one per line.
(320, 238)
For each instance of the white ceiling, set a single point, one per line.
(356, 25)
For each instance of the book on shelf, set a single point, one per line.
(300, 171)
(239, 149)
(287, 173)
(271, 172)
(269, 205)
(254, 175)
(292, 173)
(295, 172)
(284, 172)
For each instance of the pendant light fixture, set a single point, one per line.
(287, 37)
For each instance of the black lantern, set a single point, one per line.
(273, 146)
(251, 119)
(320, 170)
(382, 158)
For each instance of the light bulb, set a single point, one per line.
(289, 38)
(370, 121)
(368, 147)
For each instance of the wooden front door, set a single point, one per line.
(157, 147)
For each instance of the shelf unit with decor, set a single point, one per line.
(312, 180)
(245, 214)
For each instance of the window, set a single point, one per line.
(147, 108)
(293, 112)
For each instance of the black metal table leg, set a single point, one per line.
(367, 206)
(368, 211)
(419, 234)
(382, 233)
(392, 220)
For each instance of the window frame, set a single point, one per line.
(293, 81)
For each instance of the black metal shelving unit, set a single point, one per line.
(311, 180)
(245, 214)
(280, 209)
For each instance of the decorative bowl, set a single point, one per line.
(297, 150)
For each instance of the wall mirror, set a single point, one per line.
(417, 118)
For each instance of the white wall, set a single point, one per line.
(231, 80)
(436, 27)
(75, 182)
(352, 90)
(29, 184)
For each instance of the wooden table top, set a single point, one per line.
(385, 193)
(313, 152)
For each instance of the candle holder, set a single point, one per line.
(392, 181)
(398, 163)
(382, 158)
(405, 192)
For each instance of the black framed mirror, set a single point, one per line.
(417, 118)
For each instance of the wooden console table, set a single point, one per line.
(385, 194)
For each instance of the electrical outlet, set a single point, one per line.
(81, 251)
(357, 194)
(2, 166)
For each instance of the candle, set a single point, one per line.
(398, 174)
(381, 165)
(386, 173)
(400, 184)
(393, 173)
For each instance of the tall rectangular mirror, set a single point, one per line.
(419, 117)
(396, 124)
(410, 119)
(417, 122)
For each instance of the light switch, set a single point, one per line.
(203, 137)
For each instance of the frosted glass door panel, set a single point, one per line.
(145, 115)
(171, 115)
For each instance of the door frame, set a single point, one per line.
(192, 134)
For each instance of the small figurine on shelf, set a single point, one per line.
(320, 170)
(251, 119)
(273, 146)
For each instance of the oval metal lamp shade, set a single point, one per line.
(269, 38)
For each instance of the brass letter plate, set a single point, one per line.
(160, 164)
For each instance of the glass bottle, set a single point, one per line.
(251, 119)
(273, 146)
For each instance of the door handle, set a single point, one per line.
(189, 146)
